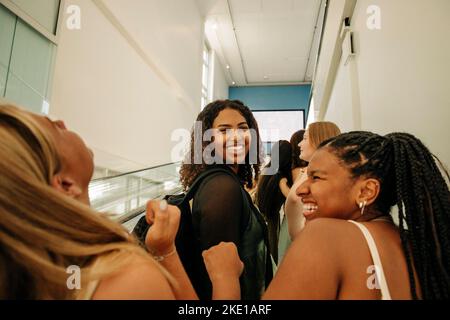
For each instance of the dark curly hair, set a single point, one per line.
(248, 172)
(295, 140)
(412, 178)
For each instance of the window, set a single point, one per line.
(206, 76)
(27, 55)
(276, 125)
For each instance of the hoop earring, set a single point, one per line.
(362, 205)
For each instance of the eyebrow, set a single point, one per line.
(229, 125)
(312, 172)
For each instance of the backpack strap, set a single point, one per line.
(193, 188)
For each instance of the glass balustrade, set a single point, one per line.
(124, 196)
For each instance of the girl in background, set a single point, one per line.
(315, 134)
(270, 197)
(298, 168)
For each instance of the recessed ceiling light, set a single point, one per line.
(233, 83)
(266, 77)
(228, 67)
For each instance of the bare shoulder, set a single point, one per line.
(327, 228)
(312, 267)
(140, 279)
(330, 237)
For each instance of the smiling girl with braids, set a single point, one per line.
(350, 247)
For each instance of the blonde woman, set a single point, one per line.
(314, 135)
(47, 228)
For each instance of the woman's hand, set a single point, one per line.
(284, 187)
(224, 269)
(293, 209)
(222, 262)
(164, 220)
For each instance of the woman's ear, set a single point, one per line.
(368, 191)
(66, 186)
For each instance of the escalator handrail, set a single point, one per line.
(137, 211)
(133, 172)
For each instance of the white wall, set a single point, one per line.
(129, 77)
(339, 108)
(220, 84)
(399, 79)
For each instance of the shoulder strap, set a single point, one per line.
(193, 188)
(379, 271)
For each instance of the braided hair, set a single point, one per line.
(248, 172)
(410, 177)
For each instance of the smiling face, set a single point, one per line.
(231, 136)
(306, 149)
(77, 163)
(329, 191)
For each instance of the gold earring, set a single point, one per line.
(362, 205)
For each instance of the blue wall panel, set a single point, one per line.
(273, 97)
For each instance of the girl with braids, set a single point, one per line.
(350, 247)
(46, 225)
(221, 209)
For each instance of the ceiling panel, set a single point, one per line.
(268, 38)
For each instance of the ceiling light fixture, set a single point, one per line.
(228, 67)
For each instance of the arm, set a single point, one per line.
(217, 216)
(224, 269)
(160, 241)
(284, 187)
(310, 268)
(140, 279)
(296, 172)
(218, 212)
(294, 209)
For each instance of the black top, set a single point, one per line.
(223, 211)
(218, 210)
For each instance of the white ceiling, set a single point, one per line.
(264, 41)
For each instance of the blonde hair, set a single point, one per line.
(42, 231)
(321, 131)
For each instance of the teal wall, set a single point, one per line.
(273, 97)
